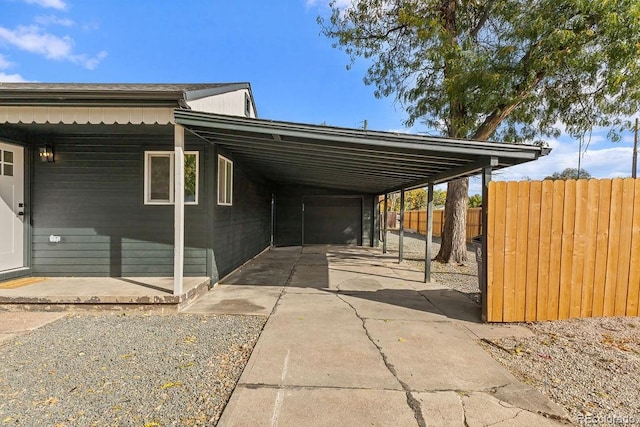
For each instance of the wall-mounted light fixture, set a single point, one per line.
(46, 153)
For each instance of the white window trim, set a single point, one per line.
(147, 180)
(228, 163)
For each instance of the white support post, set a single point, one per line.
(429, 235)
(384, 228)
(401, 231)
(178, 201)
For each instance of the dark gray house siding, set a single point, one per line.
(242, 230)
(92, 197)
(289, 216)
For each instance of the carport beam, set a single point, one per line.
(429, 235)
(384, 226)
(401, 231)
(178, 199)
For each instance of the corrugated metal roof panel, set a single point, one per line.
(85, 115)
(350, 159)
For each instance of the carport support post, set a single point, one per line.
(486, 178)
(384, 227)
(429, 235)
(178, 199)
(401, 231)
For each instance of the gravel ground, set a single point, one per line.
(463, 278)
(589, 366)
(108, 369)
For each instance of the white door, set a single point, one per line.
(11, 206)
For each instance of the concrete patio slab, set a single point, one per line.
(307, 339)
(316, 407)
(105, 290)
(309, 277)
(442, 408)
(454, 361)
(236, 299)
(453, 304)
(392, 304)
(355, 342)
(482, 410)
(264, 273)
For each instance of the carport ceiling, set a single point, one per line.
(350, 159)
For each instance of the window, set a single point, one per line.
(225, 181)
(6, 162)
(159, 173)
(247, 105)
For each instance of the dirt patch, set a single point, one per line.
(589, 366)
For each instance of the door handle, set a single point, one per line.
(20, 213)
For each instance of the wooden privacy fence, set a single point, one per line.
(562, 249)
(417, 220)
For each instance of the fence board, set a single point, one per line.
(566, 255)
(579, 238)
(544, 250)
(613, 248)
(633, 293)
(559, 249)
(491, 207)
(498, 251)
(592, 208)
(533, 240)
(602, 240)
(557, 220)
(510, 245)
(624, 252)
(417, 220)
(522, 229)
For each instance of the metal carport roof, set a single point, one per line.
(350, 159)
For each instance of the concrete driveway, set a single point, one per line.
(354, 338)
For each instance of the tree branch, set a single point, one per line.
(485, 15)
(493, 120)
(381, 36)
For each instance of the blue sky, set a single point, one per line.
(275, 45)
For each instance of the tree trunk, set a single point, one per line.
(454, 236)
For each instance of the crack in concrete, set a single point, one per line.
(254, 386)
(285, 286)
(507, 419)
(493, 390)
(412, 402)
(464, 411)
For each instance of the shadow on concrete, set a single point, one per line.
(446, 302)
(354, 272)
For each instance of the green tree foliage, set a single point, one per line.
(501, 69)
(475, 201)
(190, 177)
(415, 199)
(570, 173)
(439, 198)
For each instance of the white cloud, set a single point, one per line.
(50, 4)
(34, 39)
(54, 20)
(11, 78)
(5, 63)
(90, 63)
(605, 160)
